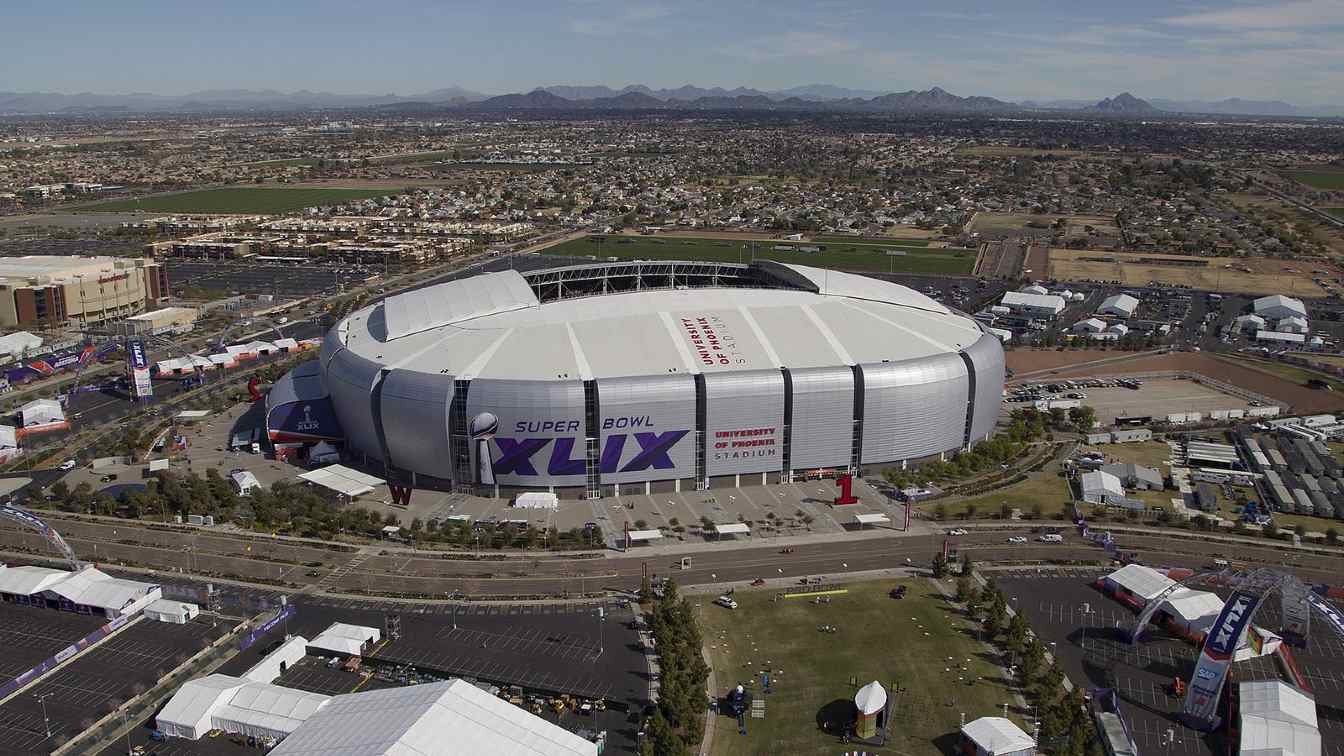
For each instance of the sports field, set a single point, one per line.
(846, 255)
(918, 648)
(1328, 180)
(1258, 275)
(241, 200)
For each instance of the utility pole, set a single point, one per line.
(46, 723)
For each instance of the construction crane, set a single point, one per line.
(28, 520)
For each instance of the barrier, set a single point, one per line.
(269, 625)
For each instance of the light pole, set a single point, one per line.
(46, 723)
(127, 727)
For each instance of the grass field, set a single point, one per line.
(903, 644)
(1329, 180)
(1044, 487)
(1267, 276)
(240, 200)
(843, 240)
(1325, 359)
(865, 256)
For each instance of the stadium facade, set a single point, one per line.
(644, 376)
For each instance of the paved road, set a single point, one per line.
(296, 564)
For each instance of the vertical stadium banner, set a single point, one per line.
(141, 387)
(523, 433)
(1201, 703)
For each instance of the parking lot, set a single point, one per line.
(1155, 398)
(260, 277)
(95, 682)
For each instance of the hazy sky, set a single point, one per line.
(1012, 49)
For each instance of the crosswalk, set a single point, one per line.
(340, 572)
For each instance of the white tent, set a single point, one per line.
(537, 500)
(1144, 583)
(276, 662)
(41, 412)
(345, 639)
(734, 528)
(8, 437)
(1277, 719)
(19, 344)
(1196, 611)
(176, 612)
(342, 479)
(29, 580)
(238, 706)
(997, 736)
(244, 482)
(1099, 486)
(422, 719)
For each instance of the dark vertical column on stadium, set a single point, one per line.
(701, 424)
(592, 419)
(787, 468)
(459, 443)
(970, 397)
(376, 396)
(855, 459)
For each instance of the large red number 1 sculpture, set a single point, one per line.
(846, 485)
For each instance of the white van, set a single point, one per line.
(1051, 538)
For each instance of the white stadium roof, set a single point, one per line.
(422, 719)
(492, 326)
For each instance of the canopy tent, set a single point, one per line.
(345, 639)
(342, 480)
(871, 519)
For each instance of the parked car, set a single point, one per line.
(957, 531)
(726, 602)
(1017, 539)
(69, 464)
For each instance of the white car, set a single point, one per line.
(1017, 539)
(726, 602)
(957, 531)
(1051, 538)
(69, 464)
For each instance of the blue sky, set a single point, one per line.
(1013, 49)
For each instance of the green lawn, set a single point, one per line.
(240, 200)
(837, 255)
(1045, 487)
(1338, 212)
(905, 644)
(1330, 180)
(884, 242)
(1293, 373)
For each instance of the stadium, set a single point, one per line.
(621, 378)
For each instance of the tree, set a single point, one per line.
(1332, 536)
(966, 589)
(967, 567)
(939, 565)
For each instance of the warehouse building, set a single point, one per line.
(1119, 305)
(52, 291)
(156, 322)
(633, 377)
(1277, 306)
(1033, 305)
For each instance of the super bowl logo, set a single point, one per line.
(307, 423)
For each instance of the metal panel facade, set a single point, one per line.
(822, 433)
(539, 436)
(913, 408)
(987, 356)
(350, 380)
(647, 428)
(415, 420)
(744, 431)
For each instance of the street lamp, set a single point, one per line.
(46, 723)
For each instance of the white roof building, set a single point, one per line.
(1119, 329)
(1119, 305)
(1035, 289)
(345, 639)
(1033, 303)
(997, 736)
(343, 480)
(1099, 485)
(244, 482)
(29, 580)
(1293, 338)
(1249, 323)
(9, 437)
(1090, 325)
(1142, 582)
(419, 720)
(1277, 719)
(93, 587)
(1278, 306)
(238, 706)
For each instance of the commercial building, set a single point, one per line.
(55, 291)
(155, 322)
(598, 379)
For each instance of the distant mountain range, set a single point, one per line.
(811, 97)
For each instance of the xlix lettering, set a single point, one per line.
(516, 454)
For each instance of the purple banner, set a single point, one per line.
(256, 634)
(74, 648)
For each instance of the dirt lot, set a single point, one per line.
(1299, 398)
(1158, 399)
(1267, 276)
(1023, 361)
